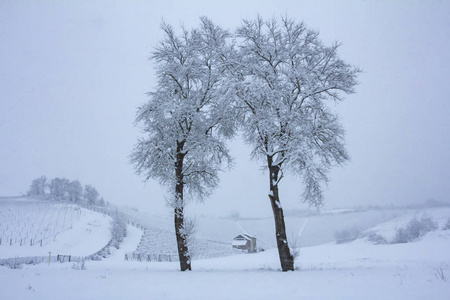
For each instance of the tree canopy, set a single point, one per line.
(284, 78)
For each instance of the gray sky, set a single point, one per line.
(72, 74)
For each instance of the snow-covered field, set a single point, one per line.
(63, 229)
(355, 270)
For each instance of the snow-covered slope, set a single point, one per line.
(356, 270)
(63, 228)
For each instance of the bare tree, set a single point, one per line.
(283, 78)
(186, 120)
(37, 187)
(90, 194)
(75, 191)
(59, 188)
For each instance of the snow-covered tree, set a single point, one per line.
(59, 188)
(90, 194)
(75, 191)
(283, 77)
(37, 187)
(186, 120)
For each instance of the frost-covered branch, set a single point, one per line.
(187, 119)
(286, 77)
(283, 78)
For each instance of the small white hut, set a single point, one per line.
(245, 242)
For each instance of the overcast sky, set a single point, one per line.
(72, 74)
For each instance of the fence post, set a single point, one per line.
(49, 258)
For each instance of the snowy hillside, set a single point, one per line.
(360, 268)
(216, 234)
(36, 227)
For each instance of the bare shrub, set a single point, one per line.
(447, 225)
(415, 229)
(119, 229)
(346, 235)
(401, 236)
(79, 265)
(14, 263)
(294, 243)
(439, 272)
(376, 238)
(190, 231)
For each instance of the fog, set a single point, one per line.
(73, 73)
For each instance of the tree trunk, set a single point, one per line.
(183, 251)
(286, 258)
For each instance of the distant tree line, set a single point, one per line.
(63, 189)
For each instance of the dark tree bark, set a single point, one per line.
(286, 258)
(183, 251)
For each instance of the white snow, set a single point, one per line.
(88, 233)
(358, 270)
(128, 245)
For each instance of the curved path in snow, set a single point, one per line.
(129, 244)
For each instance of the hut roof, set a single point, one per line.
(244, 236)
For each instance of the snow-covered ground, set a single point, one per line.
(357, 270)
(65, 229)
(214, 235)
